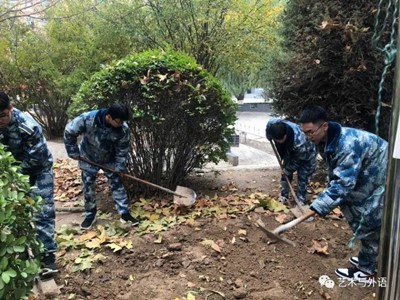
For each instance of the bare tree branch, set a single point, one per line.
(23, 9)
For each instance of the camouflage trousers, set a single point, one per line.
(366, 227)
(303, 177)
(89, 191)
(44, 219)
(368, 252)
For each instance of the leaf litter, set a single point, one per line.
(81, 252)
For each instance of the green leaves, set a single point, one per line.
(16, 233)
(7, 275)
(3, 263)
(182, 117)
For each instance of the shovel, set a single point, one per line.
(300, 209)
(275, 234)
(182, 195)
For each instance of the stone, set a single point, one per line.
(175, 247)
(48, 288)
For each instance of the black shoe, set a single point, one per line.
(88, 222)
(49, 266)
(125, 218)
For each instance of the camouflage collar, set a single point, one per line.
(334, 131)
(100, 118)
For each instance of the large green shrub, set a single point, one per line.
(181, 115)
(18, 242)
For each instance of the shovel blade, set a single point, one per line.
(187, 198)
(296, 212)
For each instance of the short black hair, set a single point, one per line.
(4, 101)
(119, 111)
(313, 114)
(278, 130)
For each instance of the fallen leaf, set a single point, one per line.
(114, 247)
(213, 245)
(190, 296)
(216, 247)
(283, 218)
(242, 232)
(158, 240)
(88, 236)
(337, 211)
(99, 257)
(154, 217)
(126, 243)
(274, 205)
(95, 243)
(317, 247)
(166, 212)
(162, 77)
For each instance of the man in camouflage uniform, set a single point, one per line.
(357, 163)
(297, 153)
(105, 140)
(24, 138)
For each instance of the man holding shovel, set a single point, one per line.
(296, 153)
(357, 163)
(24, 138)
(105, 141)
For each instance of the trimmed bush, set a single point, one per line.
(18, 242)
(181, 116)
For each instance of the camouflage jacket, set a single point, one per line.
(297, 151)
(357, 164)
(100, 143)
(24, 138)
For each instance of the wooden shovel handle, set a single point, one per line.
(130, 176)
(287, 226)
(286, 177)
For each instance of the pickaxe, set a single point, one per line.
(275, 234)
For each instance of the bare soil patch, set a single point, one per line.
(215, 255)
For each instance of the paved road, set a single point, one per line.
(252, 123)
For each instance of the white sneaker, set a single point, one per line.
(354, 274)
(354, 260)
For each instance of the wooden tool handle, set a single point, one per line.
(293, 223)
(287, 178)
(130, 176)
